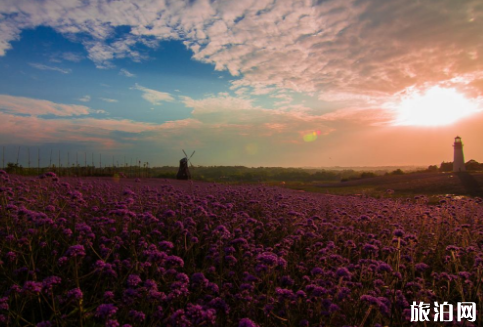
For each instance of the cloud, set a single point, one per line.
(96, 132)
(70, 56)
(45, 67)
(348, 46)
(27, 120)
(227, 130)
(109, 100)
(85, 98)
(102, 54)
(355, 54)
(36, 107)
(126, 73)
(152, 96)
(239, 115)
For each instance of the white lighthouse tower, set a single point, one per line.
(459, 159)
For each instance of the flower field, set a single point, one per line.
(104, 252)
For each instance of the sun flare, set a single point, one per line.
(436, 107)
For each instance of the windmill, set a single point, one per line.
(183, 171)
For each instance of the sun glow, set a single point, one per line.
(436, 107)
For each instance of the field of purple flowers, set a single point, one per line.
(101, 252)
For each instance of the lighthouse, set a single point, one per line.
(459, 159)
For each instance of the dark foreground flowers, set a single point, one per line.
(96, 252)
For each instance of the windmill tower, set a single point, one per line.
(459, 159)
(183, 171)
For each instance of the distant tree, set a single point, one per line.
(446, 166)
(368, 175)
(397, 172)
(13, 168)
(473, 165)
(432, 168)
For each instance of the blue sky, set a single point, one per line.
(256, 83)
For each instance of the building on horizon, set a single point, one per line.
(459, 159)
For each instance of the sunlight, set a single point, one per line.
(436, 107)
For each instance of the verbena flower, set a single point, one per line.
(106, 310)
(246, 322)
(76, 251)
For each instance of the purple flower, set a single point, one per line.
(32, 287)
(384, 267)
(344, 292)
(304, 323)
(106, 310)
(398, 233)
(133, 280)
(245, 322)
(199, 279)
(317, 271)
(75, 293)
(174, 261)
(421, 266)
(151, 285)
(220, 305)
(200, 316)
(76, 251)
(165, 245)
(268, 258)
(137, 316)
(49, 282)
(108, 295)
(11, 256)
(369, 248)
(333, 308)
(112, 323)
(222, 231)
(343, 272)
(3, 303)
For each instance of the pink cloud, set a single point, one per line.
(36, 107)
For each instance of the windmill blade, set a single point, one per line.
(192, 154)
(185, 153)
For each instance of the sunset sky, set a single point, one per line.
(254, 83)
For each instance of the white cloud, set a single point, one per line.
(45, 67)
(126, 73)
(70, 56)
(85, 98)
(152, 96)
(109, 100)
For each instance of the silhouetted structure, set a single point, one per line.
(183, 171)
(459, 160)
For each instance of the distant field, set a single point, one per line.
(403, 185)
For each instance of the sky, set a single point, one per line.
(255, 82)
